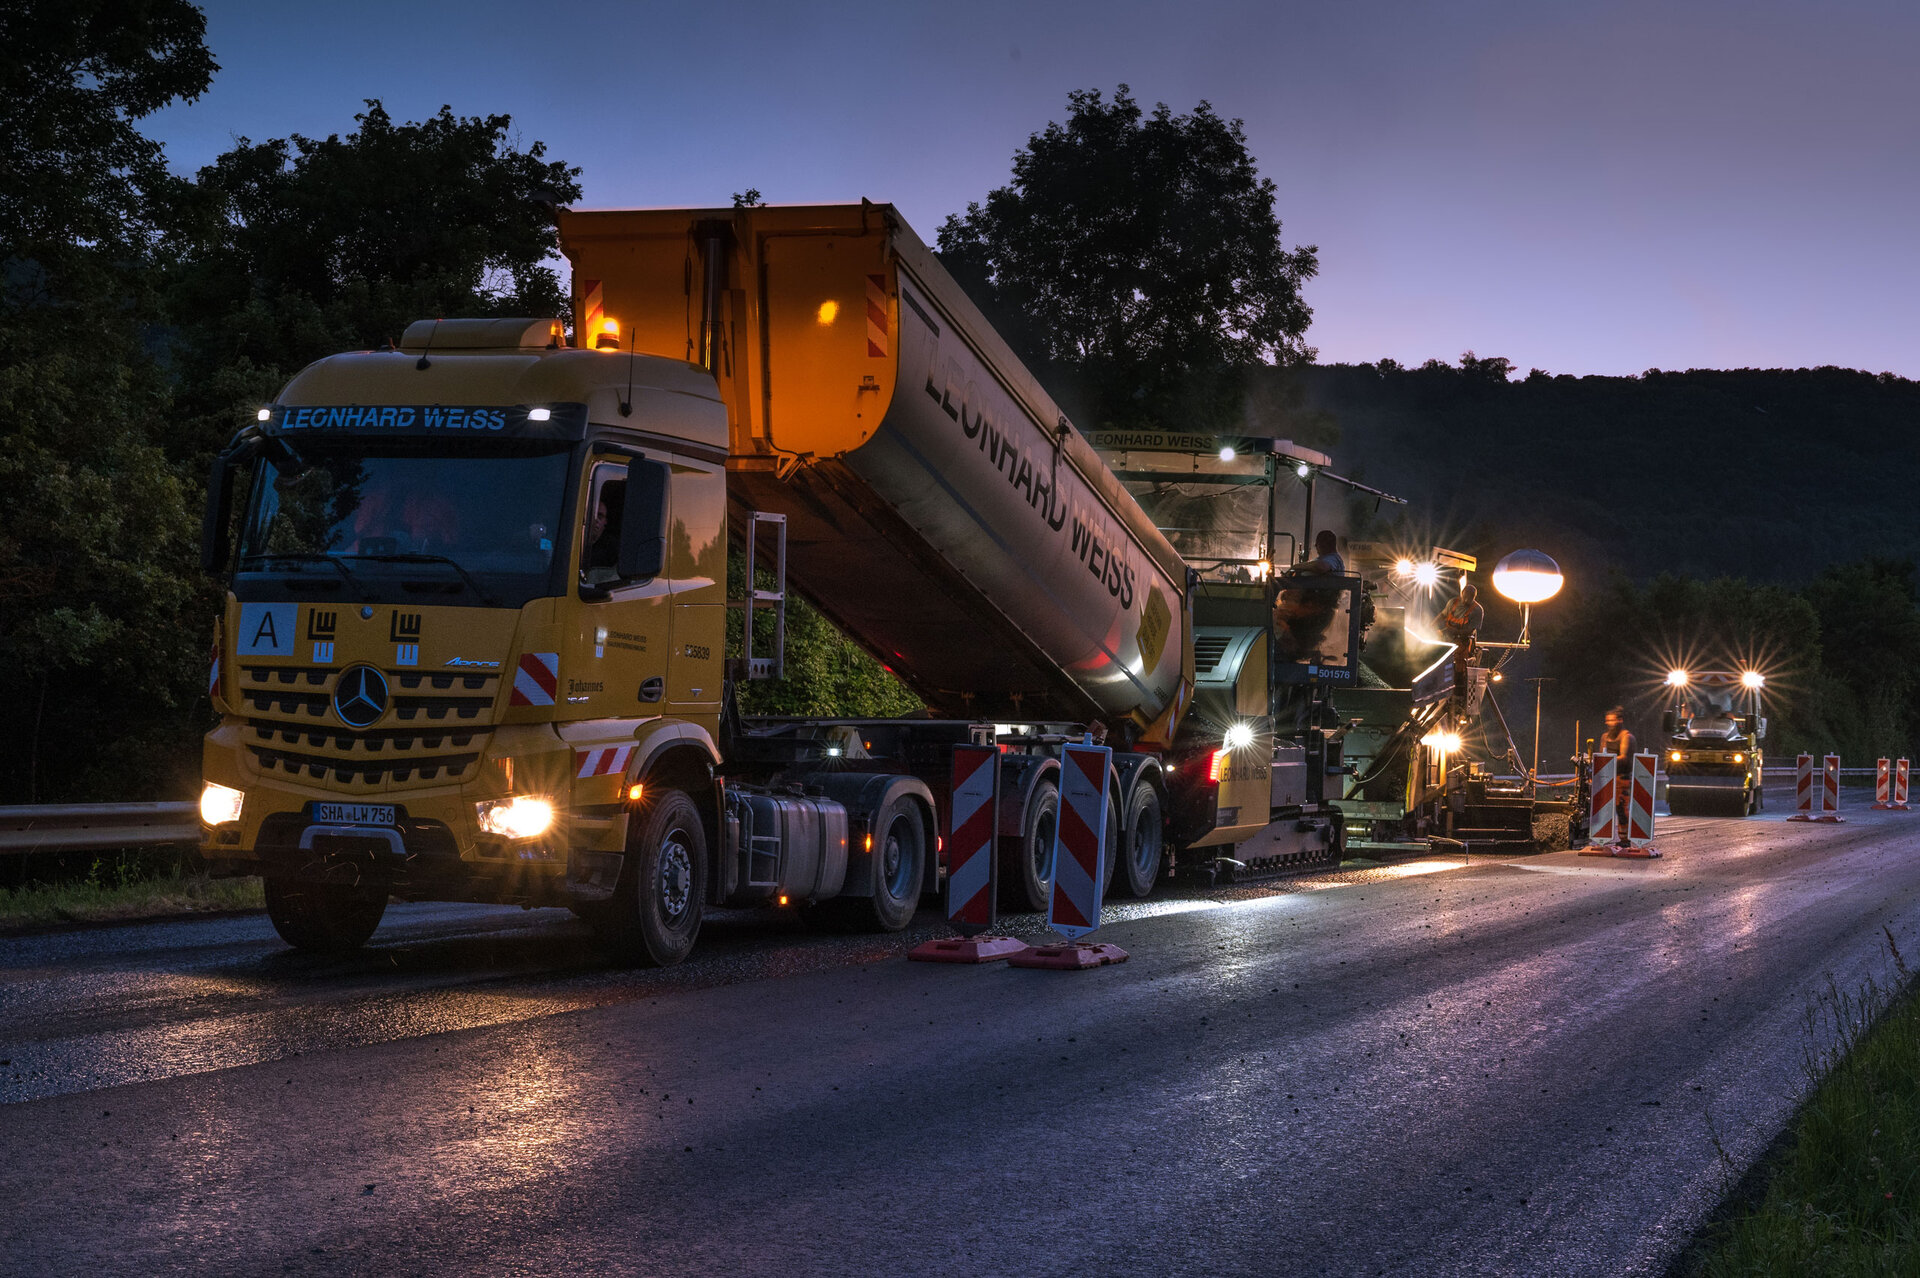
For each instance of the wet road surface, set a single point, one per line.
(1547, 1064)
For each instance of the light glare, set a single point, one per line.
(1676, 678)
(1239, 736)
(521, 817)
(1227, 454)
(220, 804)
(1426, 574)
(1753, 679)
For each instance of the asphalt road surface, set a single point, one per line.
(1538, 1065)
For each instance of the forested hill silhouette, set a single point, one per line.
(1768, 474)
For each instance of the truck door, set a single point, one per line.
(697, 568)
(620, 646)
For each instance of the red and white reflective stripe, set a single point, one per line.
(593, 307)
(970, 846)
(1830, 783)
(1077, 836)
(537, 679)
(1640, 809)
(1604, 825)
(877, 316)
(1900, 784)
(1803, 783)
(1882, 783)
(604, 762)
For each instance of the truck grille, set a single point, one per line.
(445, 721)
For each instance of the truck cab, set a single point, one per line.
(477, 585)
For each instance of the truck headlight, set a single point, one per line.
(521, 817)
(220, 804)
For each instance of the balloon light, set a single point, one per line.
(1527, 577)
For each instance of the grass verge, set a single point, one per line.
(112, 898)
(1842, 1195)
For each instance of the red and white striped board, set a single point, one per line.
(536, 680)
(976, 815)
(1882, 784)
(1079, 840)
(1900, 785)
(1639, 836)
(1830, 789)
(1604, 827)
(971, 879)
(1802, 788)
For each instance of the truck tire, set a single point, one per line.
(324, 918)
(1142, 842)
(654, 916)
(900, 846)
(1026, 875)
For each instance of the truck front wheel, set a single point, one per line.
(654, 915)
(324, 918)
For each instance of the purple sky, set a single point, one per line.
(1586, 188)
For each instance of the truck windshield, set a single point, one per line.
(481, 525)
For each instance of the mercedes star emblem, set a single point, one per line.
(360, 698)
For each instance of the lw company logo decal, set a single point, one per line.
(320, 628)
(360, 698)
(403, 629)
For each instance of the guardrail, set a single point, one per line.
(85, 827)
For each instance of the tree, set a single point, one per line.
(80, 186)
(1135, 262)
(303, 247)
(102, 626)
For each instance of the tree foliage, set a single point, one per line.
(80, 185)
(103, 617)
(1135, 262)
(826, 674)
(301, 247)
(1841, 654)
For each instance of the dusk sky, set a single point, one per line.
(1585, 188)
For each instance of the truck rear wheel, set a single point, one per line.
(654, 916)
(899, 868)
(1142, 842)
(1026, 878)
(324, 918)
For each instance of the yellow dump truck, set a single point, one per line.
(475, 639)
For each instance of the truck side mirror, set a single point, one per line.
(1669, 723)
(219, 511)
(643, 529)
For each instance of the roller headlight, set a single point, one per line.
(220, 804)
(521, 817)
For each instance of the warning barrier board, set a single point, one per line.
(1079, 840)
(976, 815)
